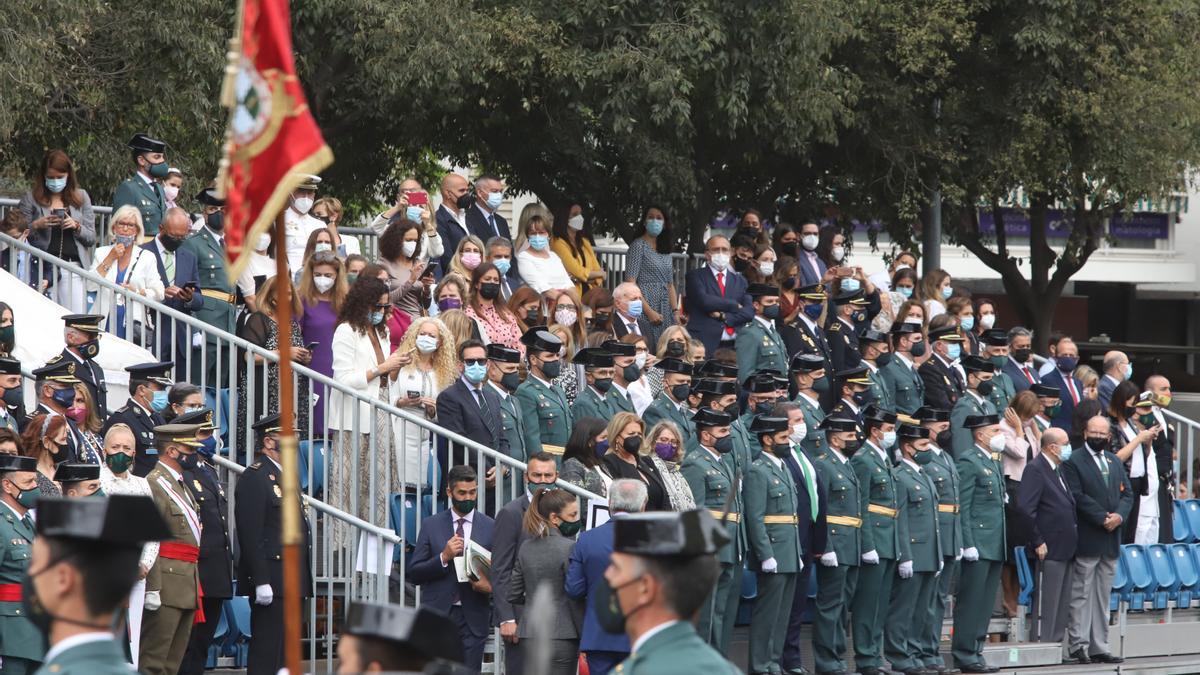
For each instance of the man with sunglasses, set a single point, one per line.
(208, 245)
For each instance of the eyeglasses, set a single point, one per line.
(475, 362)
(384, 307)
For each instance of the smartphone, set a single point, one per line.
(431, 270)
(59, 213)
(418, 198)
(845, 272)
(311, 346)
(192, 285)
(414, 394)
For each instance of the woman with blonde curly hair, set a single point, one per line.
(416, 388)
(664, 447)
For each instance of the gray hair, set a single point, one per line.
(502, 242)
(622, 290)
(1019, 331)
(627, 495)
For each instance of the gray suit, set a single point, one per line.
(506, 540)
(542, 563)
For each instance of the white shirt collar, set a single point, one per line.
(767, 323)
(907, 361)
(935, 449)
(468, 519)
(649, 634)
(76, 641)
(470, 385)
(277, 466)
(174, 474)
(215, 235)
(808, 398)
(879, 451)
(716, 455)
(499, 390)
(1018, 364)
(149, 181)
(812, 325)
(10, 508)
(774, 460)
(870, 366)
(974, 393)
(838, 453)
(851, 404)
(536, 378)
(624, 391)
(1053, 464)
(716, 271)
(916, 467)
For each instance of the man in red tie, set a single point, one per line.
(717, 301)
(1069, 387)
(1019, 367)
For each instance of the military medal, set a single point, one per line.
(278, 492)
(196, 482)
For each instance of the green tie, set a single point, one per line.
(809, 484)
(169, 266)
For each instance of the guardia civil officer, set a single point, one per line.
(973, 403)
(598, 374)
(671, 404)
(547, 416)
(994, 343)
(900, 375)
(944, 474)
(148, 384)
(22, 644)
(876, 355)
(389, 638)
(808, 371)
(854, 387)
(208, 245)
(143, 190)
(758, 344)
(78, 479)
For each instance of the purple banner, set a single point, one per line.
(1016, 223)
(1141, 225)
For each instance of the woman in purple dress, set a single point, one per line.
(322, 288)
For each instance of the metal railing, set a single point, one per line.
(613, 260)
(370, 483)
(1187, 464)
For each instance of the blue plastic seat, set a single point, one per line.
(1187, 575)
(1120, 582)
(313, 451)
(218, 642)
(748, 594)
(1165, 581)
(1024, 577)
(1181, 528)
(1141, 584)
(239, 613)
(1192, 508)
(217, 400)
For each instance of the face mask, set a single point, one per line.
(426, 343)
(985, 388)
(837, 253)
(635, 308)
(1021, 355)
(264, 242)
(953, 351)
(1162, 400)
(408, 248)
(551, 369)
(665, 451)
(510, 381)
(322, 247)
(809, 242)
(533, 317)
(323, 284)
(125, 241)
(28, 498)
(631, 444)
(918, 349)
(170, 243)
(947, 292)
(56, 185)
(883, 359)
(119, 462)
(414, 214)
(1096, 443)
(719, 261)
(471, 260)
(723, 445)
(489, 291)
(905, 291)
(449, 303)
(463, 506)
(534, 486)
(1064, 453)
(171, 191)
(799, 433)
(1067, 363)
(502, 265)
(654, 226)
(675, 349)
(575, 223)
(475, 372)
(1053, 410)
(302, 204)
(640, 360)
(1128, 371)
(631, 372)
(766, 268)
(566, 316)
(77, 414)
(215, 221)
(858, 317)
(997, 361)
(607, 607)
(863, 398)
(64, 397)
(159, 170)
(741, 264)
(602, 384)
(188, 461)
(764, 407)
(771, 312)
(494, 200)
(923, 457)
(158, 401)
(790, 248)
(376, 318)
(680, 392)
(600, 321)
(821, 386)
(996, 443)
(1147, 420)
(850, 285)
(208, 447)
(967, 323)
(601, 448)
(813, 311)
(889, 440)
(539, 242)
(351, 278)
(987, 321)
(90, 349)
(851, 447)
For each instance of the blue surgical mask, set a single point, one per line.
(1064, 453)
(124, 241)
(64, 397)
(426, 343)
(322, 247)
(953, 350)
(376, 318)
(906, 291)
(494, 200)
(889, 440)
(635, 308)
(850, 285)
(947, 292)
(414, 213)
(1128, 371)
(654, 226)
(208, 447)
(813, 311)
(159, 401)
(475, 372)
(539, 242)
(502, 265)
(56, 185)
(967, 324)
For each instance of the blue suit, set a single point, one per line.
(1014, 372)
(1047, 509)
(1105, 387)
(459, 411)
(1055, 379)
(450, 234)
(812, 539)
(806, 273)
(585, 571)
(439, 583)
(187, 270)
(704, 296)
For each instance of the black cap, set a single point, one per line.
(812, 292)
(765, 424)
(88, 323)
(154, 372)
(208, 197)
(807, 362)
(850, 297)
(760, 383)
(856, 375)
(202, 417)
(911, 432)
(711, 386)
(977, 421)
(69, 472)
(17, 463)
(593, 357)
(538, 339)
(58, 370)
(927, 414)
(872, 335)
(674, 365)
(905, 327)
(503, 353)
(707, 417)
(947, 333)
(665, 533)
(974, 364)
(835, 423)
(1042, 390)
(268, 424)
(422, 630)
(874, 413)
(104, 519)
(995, 337)
(714, 368)
(618, 348)
(143, 143)
(183, 434)
(9, 366)
(762, 290)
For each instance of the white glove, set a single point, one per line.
(770, 566)
(870, 557)
(197, 340)
(153, 600)
(971, 554)
(905, 569)
(800, 567)
(941, 566)
(829, 559)
(959, 556)
(263, 595)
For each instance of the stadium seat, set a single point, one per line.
(218, 642)
(1024, 577)
(1187, 574)
(1192, 508)
(1181, 527)
(749, 592)
(1165, 580)
(314, 450)
(1141, 576)
(404, 516)
(239, 613)
(217, 400)
(1120, 581)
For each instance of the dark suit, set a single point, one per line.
(620, 329)
(585, 572)
(450, 233)
(506, 540)
(186, 271)
(92, 376)
(477, 223)
(1105, 388)
(1017, 374)
(703, 296)
(1055, 379)
(942, 384)
(1047, 508)
(216, 560)
(440, 588)
(459, 411)
(812, 539)
(807, 278)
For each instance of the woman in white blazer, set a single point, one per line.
(128, 265)
(359, 479)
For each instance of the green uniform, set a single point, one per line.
(22, 646)
(218, 310)
(883, 531)
(711, 480)
(101, 657)
(675, 650)
(588, 403)
(744, 445)
(663, 408)
(1002, 391)
(753, 447)
(944, 475)
(907, 639)
(759, 347)
(147, 197)
(545, 413)
(905, 385)
(618, 402)
(514, 430)
(981, 504)
(771, 503)
(814, 442)
(835, 585)
(883, 394)
(970, 403)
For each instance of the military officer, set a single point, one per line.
(773, 542)
(385, 638)
(876, 355)
(758, 344)
(298, 223)
(711, 472)
(837, 573)
(78, 480)
(883, 537)
(143, 190)
(10, 380)
(598, 373)
(995, 349)
(215, 567)
(944, 474)
(625, 372)
(504, 376)
(55, 383)
(148, 384)
(713, 369)
(548, 418)
(842, 327)
(258, 517)
(907, 639)
(981, 504)
(672, 554)
(82, 335)
(854, 387)
(1050, 399)
(208, 245)
(943, 382)
(671, 404)
(760, 400)
(805, 334)
(900, 375)
(22, 645)
(973, 402)
(93, 539)
(808, 369)
(172, 586)
(721, 395)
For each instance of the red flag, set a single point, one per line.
(272, 140)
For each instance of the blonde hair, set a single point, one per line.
(560, 330)
(124, 212)
(333, 204)
(445, 359)
(460, 325)
(452, 279)
(119, 428)
(531, 211)
(456, 265)
(651, 438)
(92, 423)
(578, 336)
(670, 332)
(267, 303)
(617, 425)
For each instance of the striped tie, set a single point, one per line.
(169, 266)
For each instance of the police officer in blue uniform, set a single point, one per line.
(82, 335)
(148, 384)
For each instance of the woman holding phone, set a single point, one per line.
(322, 289)
(434, 367)
(61, 223)
(401, 255)
(412, 203)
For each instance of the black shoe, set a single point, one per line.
(917, 671)
(870, 670)
(944, 670)
(1106, 658)
(831, 672)
(1080, 656)
(799, 670)
(980, 667)
(1069, 661)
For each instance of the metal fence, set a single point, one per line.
(369, 484)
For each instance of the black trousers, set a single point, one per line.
(202, 637)
(266, 638)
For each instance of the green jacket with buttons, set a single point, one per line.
(18, 637)
(960, 437)
(981, 506)
(100, 657)
(618, 402)
(149, 199)
(545, 413)
(210, 259)
(883, 394)
(711, 480)
(771, 494)
(1002, 391)
(590, 404)
(880, 532)
(759, 348)
(944, 474)
(842, 501)
(916, 491)
(675, 650)
(905, 386)
(663, 408)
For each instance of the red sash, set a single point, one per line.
(10, 592)
(173, 550)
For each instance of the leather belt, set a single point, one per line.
(733, 517)
(781, 520)
(10, 592)
(881, 510)
(948, 508)
(217, 295)
(174, 550)
(849, 521)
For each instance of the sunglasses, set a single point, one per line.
(384, 307)
(475, 362)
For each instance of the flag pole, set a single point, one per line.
(291, 536)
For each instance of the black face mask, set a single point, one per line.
(675, 349)
(466, 200)
(680, 392)
(851, 447)
(90, 349)
(551, 369)
(790, 248)
(863, 398)
(1097, 443)
(764, 407)
(883, 359)
(741, 264)
(985, 388)
(943, 439)
(918, 349)
(608, 609)
(188, 461)
(600, 321)
(631, 372)
(632, 444)
(215, 221)
(489, 291)
(602, 384)
(171, 244)
(533, 317)
(1130, 412)
(1022, 355)
(510, 381)
(723, 445)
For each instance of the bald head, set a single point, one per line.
(1114, 364)
(454, 186)
(1097, 426)
(1159, 386)
(176, 223)
(1053, 438)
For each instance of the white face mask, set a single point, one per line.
(322, 247)
(640, 360)
(409, 248)
(575, 223)
(566, 316)
(171, 191)
(302, 204)
(799, 431)
(837, 253)
(719, 261)
(987, 321)
(809, 242)
(323, 284)
(264, 241)
(766, 268)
